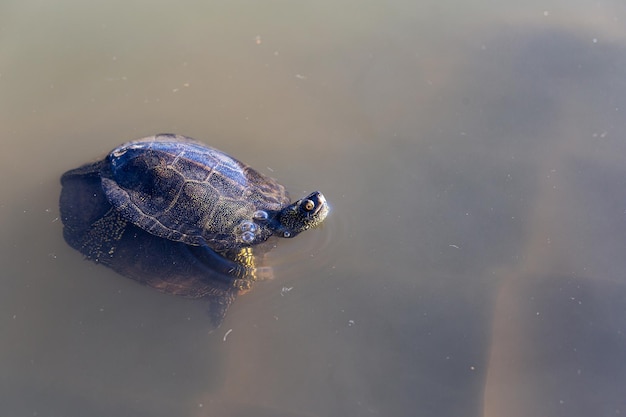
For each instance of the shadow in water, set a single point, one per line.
(95, 229)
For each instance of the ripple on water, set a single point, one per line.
(313, 249)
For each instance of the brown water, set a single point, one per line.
(475, 159)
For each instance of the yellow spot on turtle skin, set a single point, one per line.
(245, 257)
(242, 285)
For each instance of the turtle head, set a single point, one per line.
(302, 215)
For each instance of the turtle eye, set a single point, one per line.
(308, 205)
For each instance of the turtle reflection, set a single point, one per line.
(181, 217)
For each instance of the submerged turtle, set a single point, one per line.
(180, 216)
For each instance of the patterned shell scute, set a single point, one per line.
(182, 190)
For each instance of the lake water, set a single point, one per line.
(474, 156)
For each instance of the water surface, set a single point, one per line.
(474, 156)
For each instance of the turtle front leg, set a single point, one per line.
(251, 272)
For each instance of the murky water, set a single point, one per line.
(475, 159)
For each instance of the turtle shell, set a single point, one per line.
(182, 190)
(178, 216)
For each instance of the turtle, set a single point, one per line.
(178, 215)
